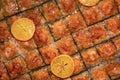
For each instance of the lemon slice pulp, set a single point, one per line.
(62, 66)
(89, 2)
(23, 29)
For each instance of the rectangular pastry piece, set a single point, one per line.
(16, 67)
(108, 8)
(90, 57)
(66, 45)
(51, 11)
(59, 29)
(78, 64)
(91, 14)
(42, 36)
(10, 7)
(67, 6)
(33, 59)
(83, 39)
(75, 22)
(107, 50)
(98, 33)
(49, 52)
(8, 50)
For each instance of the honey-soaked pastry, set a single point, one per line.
(3, 74)
(67, 6)
(82, 76)
(8, 50)
(16, 67)
(91, 14)
(59, 29)
(118, 3)
(49, 53)
(78, 64)
(24, 77)
(10, 7)
(35, 16)
(90, 57)
(66, 46)
(51, 11)
(98, 33)
(33, 60)
(99, 73)
(83, 39)
(75, 22)
(25, 4)
(107, 7)
(41, 74)
(26, 46)
(106, 50)
(113, 25)
(42, 36)
(117, 43)
(113, 69)
(4, 33)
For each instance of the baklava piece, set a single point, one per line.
(83, 39)
(67, 6)
(90, 57)
(113, 25)
(42, 36)
(8, 50)
(75, 22)
(117, 43)
(33, 59)
(35, 16)
(24, 77)
(16, 67)
(11, 20)
(49, 53)
(91, 14)
(99, 73)
(3, 72)
(66, 46)
(41, 75)
(51, 11)
(26, 46)
(10, 7)
(78, 64)
(25, 4)
(59, 29)
(83, 76)
(113, 69)
(4, 33)
(98, 33)
(107, 50)
(107, 7)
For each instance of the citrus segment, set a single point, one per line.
(89, 2)
(62, 66)
(23, 29)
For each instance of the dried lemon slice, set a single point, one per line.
(62, 66)
(23, 29)
(89, 2)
